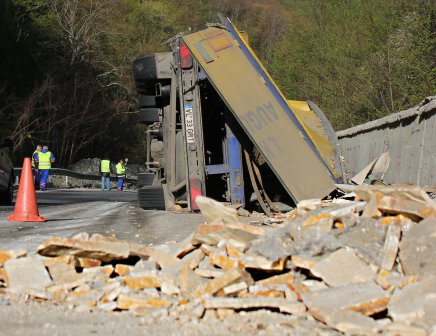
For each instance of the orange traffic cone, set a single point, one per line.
(26, 208)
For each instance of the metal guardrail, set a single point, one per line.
(70, 173)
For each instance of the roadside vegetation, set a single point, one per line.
(66, 78)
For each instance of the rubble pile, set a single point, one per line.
(363, 266)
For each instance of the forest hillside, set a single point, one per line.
(66, 75)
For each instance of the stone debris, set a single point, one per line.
(343, 267)
(364, 266)
(415, 303)
(366, 298)
(418, 249)
(349, 322)
(26, 274)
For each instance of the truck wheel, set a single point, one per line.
(145, 179)
(149, 115)
(144, 68)
(151, 198)
(146, 101)
(7, 196)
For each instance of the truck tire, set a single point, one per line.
(146, 101)
(144, 68)
(148, 115)
(151, 198)
(145, 179)
(7, 196)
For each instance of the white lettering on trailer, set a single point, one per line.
(189, 122)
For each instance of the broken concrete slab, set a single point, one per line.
(394, 279)
(83, 279)
(366, 298)
(103, 250)
(137, 301)
(308, 205)
(323, 221)
(144, 266)
(261, 263)
(211, 234)
(111, 292)
(223, 313)
(213, 286)
(86, 262)
(415, 303)
(343, 267)
(165, 260)
(224, 262)
(215, 212)
(183, 247)
(260, 291)
(62, 272)
(401, 329)
(209, 272)
(189, 281)
(148, 280)
(281, 279)
(390, 248)
(123, 270)
(25, 274)
(141, 251)
(418, 249)
(314, 285)
(409, 200)
(349, 322)
(235, 288)
(367, 238)
(304, 262)
(65, 259)
(295, 308)
(169, 288)
(193, 259)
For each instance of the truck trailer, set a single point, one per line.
(218, 126)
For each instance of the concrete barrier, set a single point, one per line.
(410, 138)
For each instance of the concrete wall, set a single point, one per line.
(410, 138)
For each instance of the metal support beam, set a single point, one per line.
(235, 168)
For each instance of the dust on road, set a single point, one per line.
(123, 219)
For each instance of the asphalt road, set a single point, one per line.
(71, 196)
(72, 211)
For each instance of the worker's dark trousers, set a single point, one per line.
(44, 178)
(120, 182)
(37, 176)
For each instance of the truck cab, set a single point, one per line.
(218, 126)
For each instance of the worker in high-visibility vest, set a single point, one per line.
(121, 173)
(105, 171)
(36, 174)
(44, 159)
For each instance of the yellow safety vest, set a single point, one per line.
(33, 159)
(121, 169)
(105, 166)
(44, 160)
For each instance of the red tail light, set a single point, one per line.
(194, 191)
(185, 56)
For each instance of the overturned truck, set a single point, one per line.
(218, 126)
